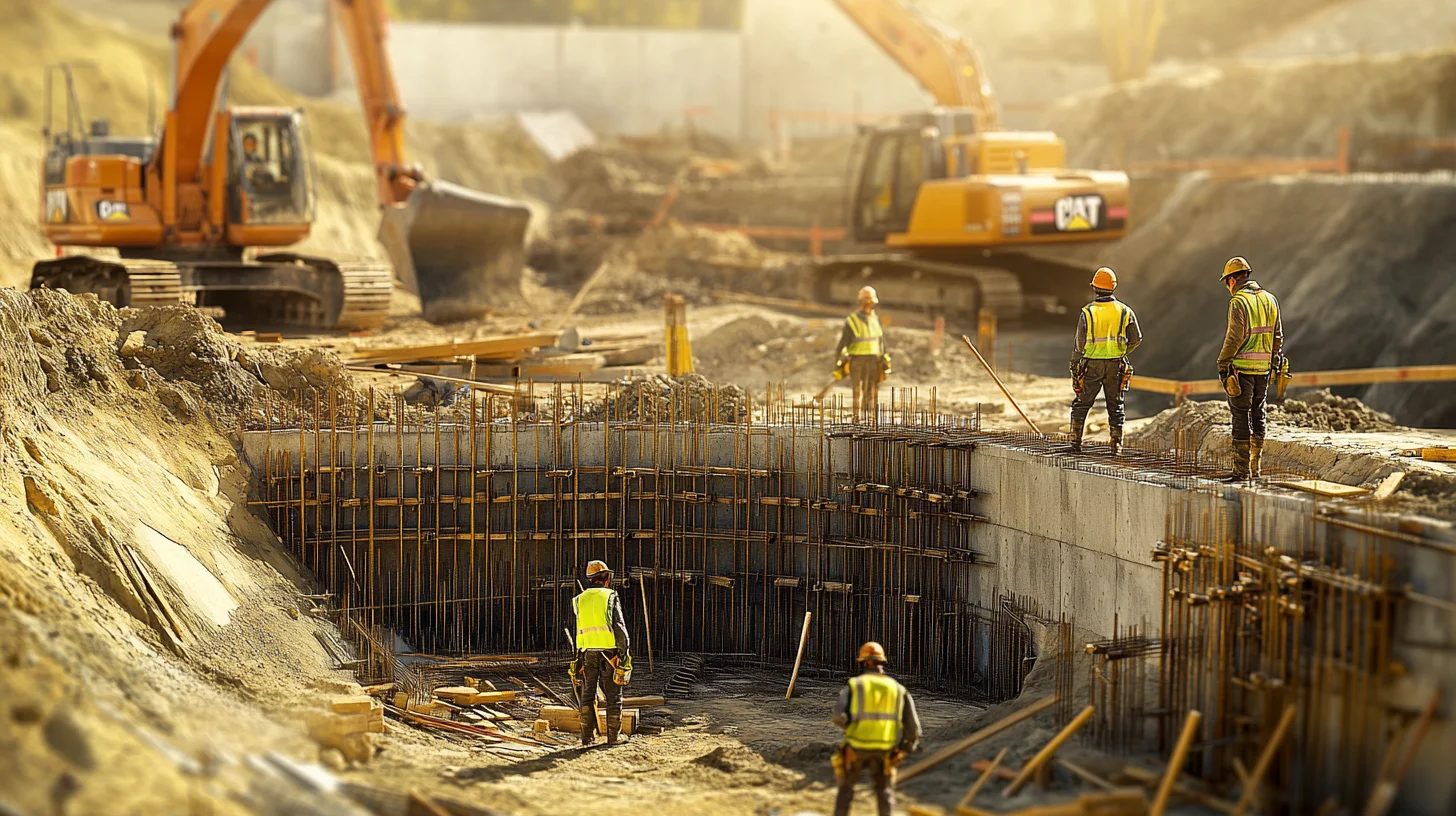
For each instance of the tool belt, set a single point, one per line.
(846, 756)
(1079, 375)
(621, 669)
(1279, 372)
(1231, 382)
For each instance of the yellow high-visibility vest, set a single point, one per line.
(876, 706)
(1107, 322)
(1262, 310)
(593, 624)
(867, 334)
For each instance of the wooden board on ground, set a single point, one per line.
(639, 354)
(513, 344)
(601, 375)
(1438, 454)
(565, 365)
(1389, 485)
(1320, 487)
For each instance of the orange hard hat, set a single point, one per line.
(594, 567)
(1235, 266)
(1104, 279)
(871, 652)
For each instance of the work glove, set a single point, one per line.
(1224, 372)
(885, 366)
(841, 368)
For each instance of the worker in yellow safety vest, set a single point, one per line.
(1252, 347)
(603, 659)
(1107, 332)
(880, 727)
(862, 354)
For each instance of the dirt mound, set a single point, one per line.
(1359, 266)
(78, 348)
(1363, 27)
(690, 398)
(1317, 411)
(1267, 109)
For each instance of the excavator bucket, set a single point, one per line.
(460, 250)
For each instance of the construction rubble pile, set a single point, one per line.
(660, 398)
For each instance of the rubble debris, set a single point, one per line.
(660, 398)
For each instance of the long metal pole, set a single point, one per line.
(1001, 385)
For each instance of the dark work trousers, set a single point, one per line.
(1104, 376)
(597, 672)
(1248, 406)
(874, 762)
(864, 374)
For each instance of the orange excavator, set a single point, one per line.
(944, 205)
(196, 216)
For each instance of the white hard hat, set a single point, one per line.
(869, 292)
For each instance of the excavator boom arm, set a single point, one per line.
(366, 28)
(206, 35)
(944, 62)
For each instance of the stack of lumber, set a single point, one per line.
(349, 725)
(543, 356)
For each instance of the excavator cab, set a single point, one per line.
(893, 163)
(269, 182)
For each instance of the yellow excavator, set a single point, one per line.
(194, 214)
(944, 205)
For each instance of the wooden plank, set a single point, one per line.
(803, 641)
(1320, 487)
(1175, 765)
(981, 781)
(643, 702)
(1266, 759)
(1047, 752)
(501, 344)
(1438, 454)
(566, 365)
(979, 736)
(1388, 485)
(1307, 379)
(494, 389)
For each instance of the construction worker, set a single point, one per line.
(880, 728)
(1252, 343)
(862, 349)
(1107, 331)
(254, 167)
(602, 650)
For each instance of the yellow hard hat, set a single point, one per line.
(869, 292)
(871, 652)
(1105, 279)
(1234, 266)
(594, 567)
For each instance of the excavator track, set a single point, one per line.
(362, 300)
(908, 282)
(121, 281)
(367, 289)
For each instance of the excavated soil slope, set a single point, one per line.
(1287, 108)
(115, 463)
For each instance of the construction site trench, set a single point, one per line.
(254, 569)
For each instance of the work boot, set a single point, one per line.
(1116, 442)
(614, 728)
(1077, 428)
(588, 725)
(1241, 461)
(1256, 452)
